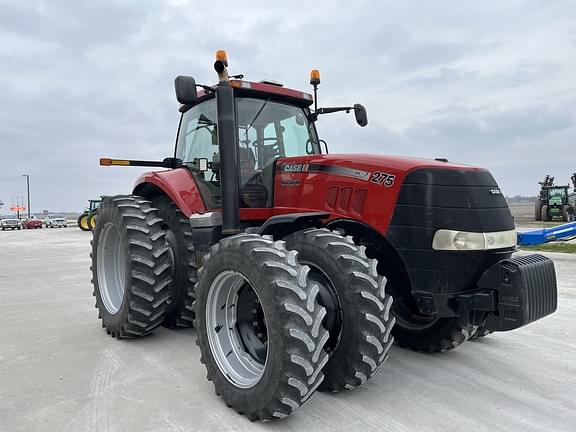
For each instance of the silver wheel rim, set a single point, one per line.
(234, 361)
(111, 268)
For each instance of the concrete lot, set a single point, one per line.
(59, 371)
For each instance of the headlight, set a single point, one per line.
(462, 240)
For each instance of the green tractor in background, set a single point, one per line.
(87, 220)
(553, 201)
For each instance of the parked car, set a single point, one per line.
(10, 222)
(55, 221)
(32, 224)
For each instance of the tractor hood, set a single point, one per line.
(369, 187)
(368, 162)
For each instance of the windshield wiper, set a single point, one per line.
(254, 119)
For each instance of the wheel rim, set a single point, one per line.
(328, 298)
(237, 330)
(84, 222)
(111, 268)
(92, 222)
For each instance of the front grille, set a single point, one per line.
(440, 198)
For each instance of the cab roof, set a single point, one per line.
(261, 90)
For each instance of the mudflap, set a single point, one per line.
(525, 290)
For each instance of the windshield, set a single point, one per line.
(56, 217)
(272, 130)
(557, 192)
(267, 130)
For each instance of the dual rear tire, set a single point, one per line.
(131, 267)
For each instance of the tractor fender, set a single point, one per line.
(390, 263)
(178, 184)
(282, 225)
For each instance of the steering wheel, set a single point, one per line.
(269, 151)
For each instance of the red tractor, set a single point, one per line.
(286, 258)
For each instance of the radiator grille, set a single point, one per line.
(346, 199)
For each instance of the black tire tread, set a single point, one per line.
(445, 335)
(360, 356)
(178, 314)
(545, 215)
(480, 332)
(148, 292)
(298, 312)
(538, 210)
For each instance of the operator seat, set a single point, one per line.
(253, 193)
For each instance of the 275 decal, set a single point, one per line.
(382, 178)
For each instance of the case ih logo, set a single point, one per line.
(294, 167)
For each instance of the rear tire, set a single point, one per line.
(545, 216)
(83, 222)
(360, 338)
(179, 238)
(537, 211)
(92, 221)
(269, 363)
(131, 267)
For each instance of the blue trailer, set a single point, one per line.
(544, 235)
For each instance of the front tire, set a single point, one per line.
(480, 332)
(131, 267)
(359, 320)
(428, 334)
(259, 327)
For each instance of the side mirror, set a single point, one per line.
(361, 116)
(185, 87)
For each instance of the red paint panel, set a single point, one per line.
(315, 190)
(179, 185)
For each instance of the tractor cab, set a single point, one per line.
(557, 195)
(269, 126)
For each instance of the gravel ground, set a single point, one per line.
(59, 371)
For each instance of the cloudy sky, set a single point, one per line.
(486, 83)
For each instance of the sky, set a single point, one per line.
(484, 83)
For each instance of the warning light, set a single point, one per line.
(222, 56)
(314, 77)
(108, 162)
